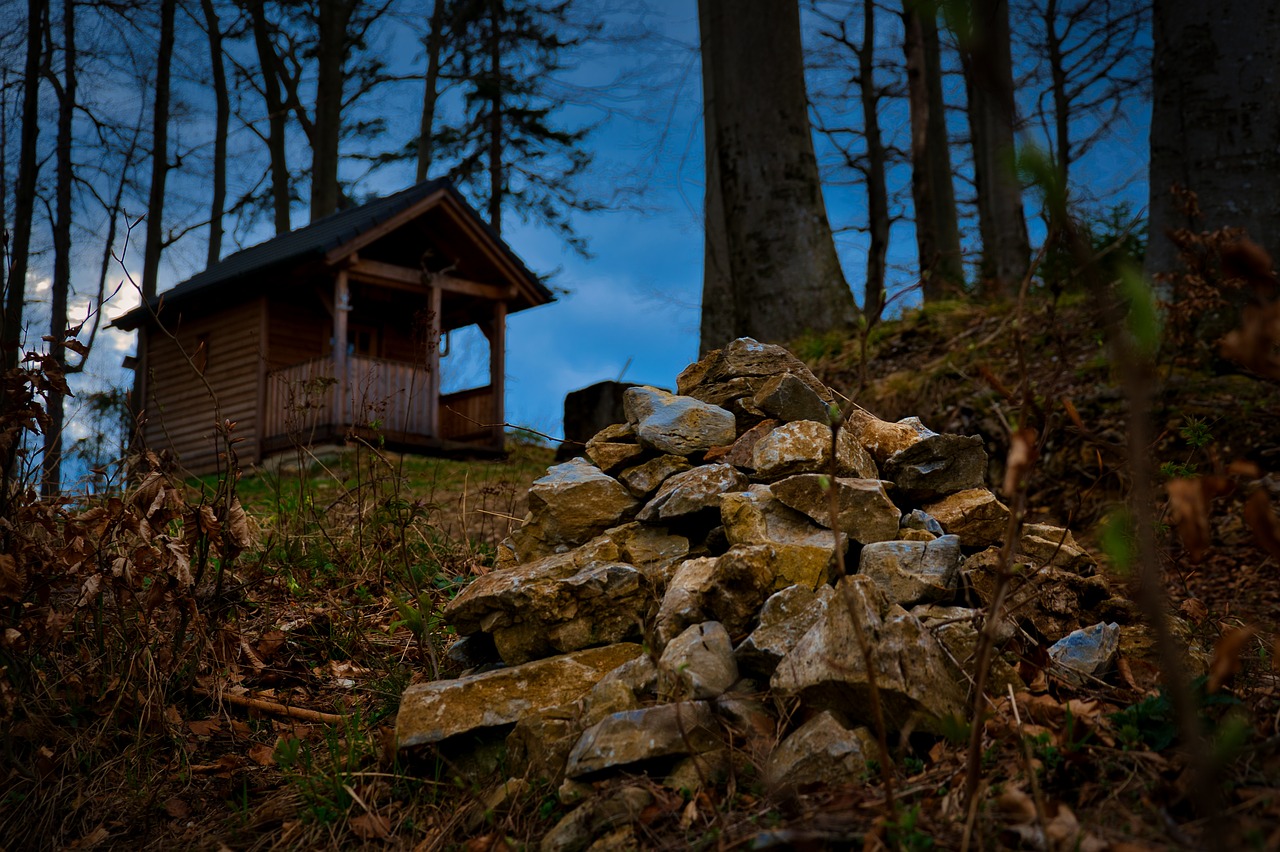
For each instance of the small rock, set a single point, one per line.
(918, 519)
(740, 454)
(821, 751)
(1085, 654)
(784, 619)
(881, 438)
(863, 509)
(1047, 602)
(785, 397)
(679, 425)
(614, 447)
(1056, 547)
(690, 774)
(912, 572)
(595, 818)
(975, 515)
(644, 479)
(636, 735)
(697, 664)
(957, 628)
(937, 465)
(740, 369)
(575, 501)
(729, 588)
(804, 553)
(693, 491)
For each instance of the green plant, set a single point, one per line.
(905, 832)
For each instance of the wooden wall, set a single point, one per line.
(181, 415)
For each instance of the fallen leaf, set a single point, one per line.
(1194, 609)
(1070, 408)
(372, 825)
(261, 754)
(205, 728)
(1226, 656)
(1190, 511)
(1262, 520)
(91, 839)
(177, 808)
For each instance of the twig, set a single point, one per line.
(275, 708)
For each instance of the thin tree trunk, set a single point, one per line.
(877, 188)
(1061, 104)
(784, 275)
(717, 282)
(331, 54)
(988, 70)
(495, 116)
(937, 225)
(159, 154)
(51, 462)
(276, 116)
(222, 118)
(435, 44)
(24, 196)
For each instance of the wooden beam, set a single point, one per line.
(498, 371)
(381, 230)
(433, 360)
(404, 278)
(341, 307)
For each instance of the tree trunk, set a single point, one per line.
(937, 226)
(222, 118)
(51, 462)
(1058, 82)
(159, 154)
(771, 227)
(435, 44)
(877, 187)
(24, 196)
(988, 71)
(276, 116)
(1215, 121)
(331, 57)
(495, 116)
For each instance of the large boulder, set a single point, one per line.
(804, 446)
(679, 425)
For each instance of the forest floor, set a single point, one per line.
(276, 732)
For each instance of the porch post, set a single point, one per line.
(341, 307)
(498, 371)
(435, 302)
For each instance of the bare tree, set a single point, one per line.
(272, 71)
(222, 118)
(434, 43)
(159, 152)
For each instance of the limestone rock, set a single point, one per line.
(1048, 602)
(864, 511)
(937, 465)
(799, 447)
(786, 616)
(1085, 654)
(881, 438)
(975, 515)
(633, 736)
(918, 519)
(596, 818)
(821, 751)
(430, 712)
(575, 501)
(693, 491)
(740, 370)
(957, 628)
(912, 572)
(678, 425)
(689, 774)
(785, 397)
(1054, 546)
(740, 454)
(825, 670)
(539, 744)
(644, 479)
(697, 664)
(640, 675)
(804, 553)
(613, 447)
(650, 548)
(728, 588)
(557, 604)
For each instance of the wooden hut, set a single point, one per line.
(252, 338)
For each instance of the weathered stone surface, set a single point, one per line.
(882, 438)
(804, 446)
(556, 604)
(614, 447)
(430, 712)
(785, 397)
(539, 744)
(825, 670)
(640, 675)
(975, 515)
(649, 548)
(689, 775)
(863, 509)
(679, 425)
(821, 751)
(696, 490)
(596, 818)
(697, 664)
(786, 616)
(644, 479)
(957, 628)
(1047, 602)
(740, 454)
(621, 739)
(1085, 654)
(1054, 546)
(749, 717)
(804, 553)
(912, 572)
(573, 502)
(937, 465)
(729, 588)
(918, 519)
(740, 369)
(852, 459)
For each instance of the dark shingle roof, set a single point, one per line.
(314, 241)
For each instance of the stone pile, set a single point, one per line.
(678, 585)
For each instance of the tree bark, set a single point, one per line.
(276, 116)
(331, 57)
(159, 154)
(932, 192)
(765, 215)
(1214, 121)
(877, 185)
(222, 118)
(986, 54)
(1058, 83)
(435, 44)
(51, 461)
(495, 116)
(24, 195)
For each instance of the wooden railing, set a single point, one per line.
(391, 397)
